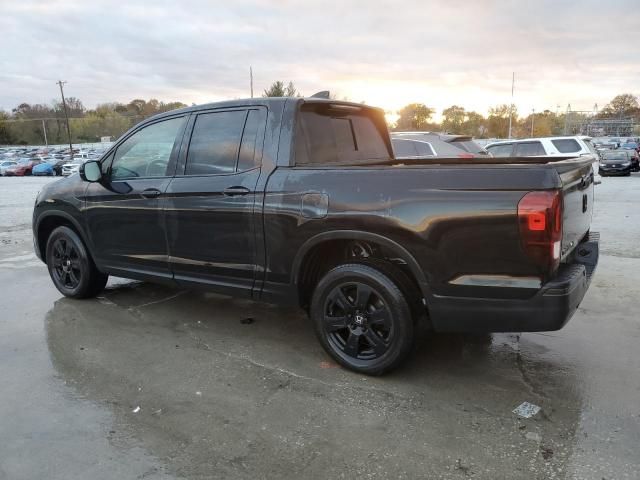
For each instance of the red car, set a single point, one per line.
(23, 168)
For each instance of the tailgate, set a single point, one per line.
(577, 189)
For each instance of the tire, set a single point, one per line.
(71, 267)
(362, 318)
(411, 292)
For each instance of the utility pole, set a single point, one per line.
(44, 129)
(566, 119)
(513, 81)
(533, 114)
(251, 79)
(66, 116)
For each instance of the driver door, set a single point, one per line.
(124, 211)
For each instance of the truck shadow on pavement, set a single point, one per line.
(218, 386)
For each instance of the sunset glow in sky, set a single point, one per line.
(385, 53)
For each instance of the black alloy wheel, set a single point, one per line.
(71, 267)
(362, 318)
(67, 269)
(357, 321)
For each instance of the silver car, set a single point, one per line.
(4, 164)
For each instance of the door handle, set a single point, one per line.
(151, 193)
(235, 191)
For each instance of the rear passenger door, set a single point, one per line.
(212, 208)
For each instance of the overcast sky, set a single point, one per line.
(385, 53)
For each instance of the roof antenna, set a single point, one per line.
(322, 94)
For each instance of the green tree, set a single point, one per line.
(453, 118)
(498, 121)
(474, 125)
(414, 116)
(278, 89)
(624, 105)
(6, 138)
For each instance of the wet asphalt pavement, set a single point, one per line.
(154, 383)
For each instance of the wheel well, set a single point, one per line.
(48, 225)
(331, 253)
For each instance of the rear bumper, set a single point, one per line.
(549, 309)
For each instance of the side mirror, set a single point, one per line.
(91, 171)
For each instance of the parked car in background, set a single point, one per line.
(24, 167)
(43, 169)
(617, 162)
(57, 164)
(630, 146)
(4, 164)
(71, 167)
(547, 147)
(429, 144)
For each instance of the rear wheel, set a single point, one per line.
(362, 318)
(70, 266)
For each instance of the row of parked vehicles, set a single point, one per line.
(19, 162)
(615, 156)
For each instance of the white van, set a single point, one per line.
(547, 147)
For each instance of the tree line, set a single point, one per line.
(455, 119)
(26, 124)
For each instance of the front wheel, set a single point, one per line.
(363, 319)
(70, 266)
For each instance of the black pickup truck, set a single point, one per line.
(301, 201)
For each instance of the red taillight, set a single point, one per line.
(466, 155)
(540, 219)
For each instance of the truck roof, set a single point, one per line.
(269, 102)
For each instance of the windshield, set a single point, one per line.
(23, 161)
(615, 156)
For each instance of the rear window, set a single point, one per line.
(503, 150)
(424, 149)
(330, 134)
(404, 148)
(469, 146)
(566, 145)
(616, 156)
(411, 148)
(529, 149)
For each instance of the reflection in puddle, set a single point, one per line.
(219, 396)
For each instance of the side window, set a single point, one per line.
(252, 128)
(105, 164)
(566, 145)
(215, 143)
(529, 149)
(502, 150)
(146, 153)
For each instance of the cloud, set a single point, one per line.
(386, 53)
